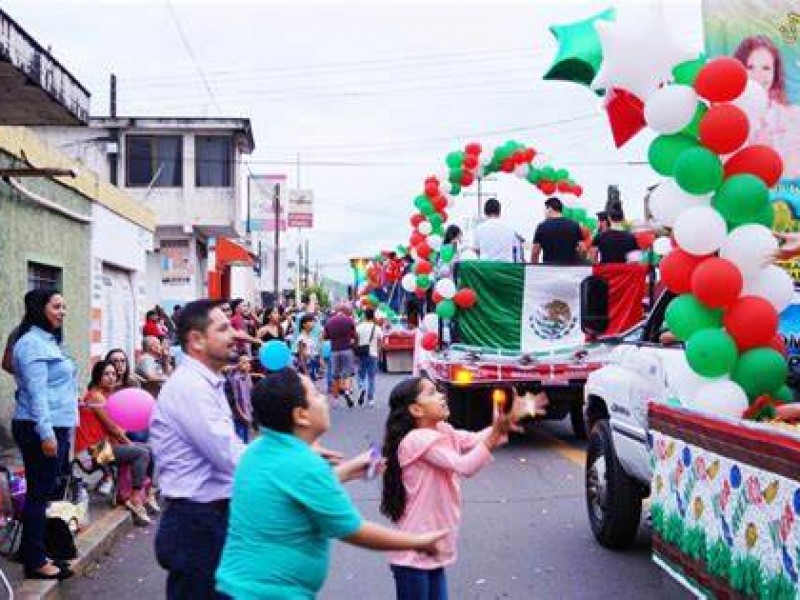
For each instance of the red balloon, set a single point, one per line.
(432, 189)
(444, 215)
(721, 80)
(761, 161)
(465, 298)
(563, 186)
(431, 180)
(440, 203)
(416, 219)
(530, 154)
(508, 165)
(520, 158)
(717, 282)
(473, 148)
(778, 343)
(423, 267)
(752, 322)
(423, 250)
(416, 239)
(625, 115)
(677, 269)
(430, 340)
(467, 178)
(470, 161)
(724, 128)
(577, 190)
(436, 297)
(645, 239)
(420, 293)
(547, 187)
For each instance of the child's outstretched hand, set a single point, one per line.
(429, 543)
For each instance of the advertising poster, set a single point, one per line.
(301, 209)
(263, 191)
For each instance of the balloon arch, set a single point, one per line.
(432, 258)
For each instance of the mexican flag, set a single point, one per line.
(537, 307)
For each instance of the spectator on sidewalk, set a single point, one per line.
(369, 335)
(557, 239)
(196, 450)
(150, 367)
(46, 411)
(13, 336)
(288, 503)
(153, 325)
(494, 240)
(121, 362)
(613, 245)
(238, 387)
(341, 331)
(308, 348)
(97, 427)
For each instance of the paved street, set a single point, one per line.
(524, 533)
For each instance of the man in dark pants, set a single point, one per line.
(196, 451)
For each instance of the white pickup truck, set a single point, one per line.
(640, 370)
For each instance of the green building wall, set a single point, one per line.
(31, 233)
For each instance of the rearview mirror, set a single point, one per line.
(594, 305)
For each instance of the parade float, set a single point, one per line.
(685, 411)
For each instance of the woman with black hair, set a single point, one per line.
(125, 379)
(46, 411)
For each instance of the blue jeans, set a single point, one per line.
(189, 546)
(42, 478)
(367, 368)
(313, 368)
(419, 584)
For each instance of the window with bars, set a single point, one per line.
(213, 160)
(43, 277)
(154, 158)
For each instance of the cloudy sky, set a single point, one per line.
(370, 95)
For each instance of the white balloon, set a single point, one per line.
(662, 246)
(485, 159)
(468, 254)
(446, 288)
(638, 53)
(431, 322)
(722, 397)
(671, 108)
(425, 227)
(773, 284)
(754, 102)
(749, 247)
(521, 171)
(668, 201)
(434, 241)
(409, 282)
(700, 230)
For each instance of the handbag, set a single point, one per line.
(362, 351)
(102, 452)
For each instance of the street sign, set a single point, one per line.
(263, 191)
(301, 208)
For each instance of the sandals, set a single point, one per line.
(139, 513)
(60, 575)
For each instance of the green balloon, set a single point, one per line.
(421, 201)
(693, 129)
(766, 216)
(698, 171)
(741, 198)
(568, 213)
(438, 228)
(548, 173)
(401, 251)
(455, 159)
(534, 175)
(436, 220)
(423, 281)
(686, 72)
(427, 208)
(711, 353)
(760, 371)
(665, 149)
(686, 315)
(784, 394)
(447, 252)
(455, 189)
(455, 175)
(562, 174)
(446, 309)
(591, 223)
(579, 214)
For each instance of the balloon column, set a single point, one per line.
(432, 258)
(714, 195)
(383, 272)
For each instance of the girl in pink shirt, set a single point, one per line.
(425, 458)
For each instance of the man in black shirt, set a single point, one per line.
(557, 237)
(613, 245)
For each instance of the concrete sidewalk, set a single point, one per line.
(106, 528)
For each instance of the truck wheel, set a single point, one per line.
(577, 420)
(613, 500)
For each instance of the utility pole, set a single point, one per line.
(276, 206)
(307, 267)
(113, 97)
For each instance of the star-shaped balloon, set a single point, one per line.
(579, 50)
(638, 53)
(625, 115)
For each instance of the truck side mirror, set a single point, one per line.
(594, 305)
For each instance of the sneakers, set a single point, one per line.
(370, 403)
(348, 399)
(361, 395)
(139, 513)
(152, 506)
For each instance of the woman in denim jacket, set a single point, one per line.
(45, 414)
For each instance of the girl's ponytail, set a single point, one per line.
(399, 423)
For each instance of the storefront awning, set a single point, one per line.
(230, 253)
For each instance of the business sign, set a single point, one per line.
(263, 191)
(177, 266)
(301, 208)
(765, 36)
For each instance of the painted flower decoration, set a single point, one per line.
(754, 491)
(736, 477)
(787, 520)
(725, 496)
(687, 456)
(700, 468)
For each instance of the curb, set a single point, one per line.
(91, 544)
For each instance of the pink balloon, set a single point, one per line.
(131, 409)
